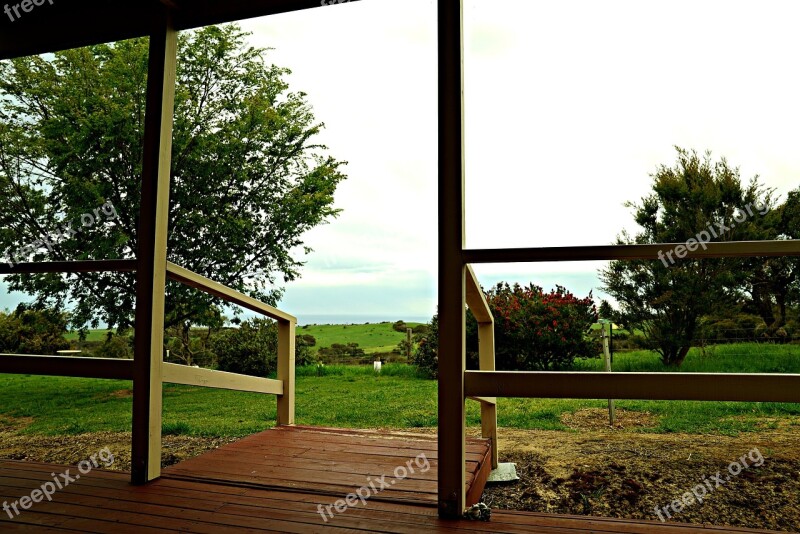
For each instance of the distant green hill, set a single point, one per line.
(378, 337)
(92, 335)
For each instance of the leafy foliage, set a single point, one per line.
(667, 300)
(538, 331)
(115, 346)
(248, 180)
(426, 356)
(251, 349)
(534, 330)
(190, 346)
(308, 340)
(339, 351)
(32, 330)
(399, 326)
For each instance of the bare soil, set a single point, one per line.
(70, 450)
(619, 472)
(594, 470)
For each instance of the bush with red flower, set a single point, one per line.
(534, 330)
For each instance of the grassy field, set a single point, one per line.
(91, 335)
(374, 337)
(395, 398)
(354, 397)
(377, 337)
(732, 358)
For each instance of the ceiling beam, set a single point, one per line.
(60, 24)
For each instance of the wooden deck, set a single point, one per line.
(335, 462)
(282, 480)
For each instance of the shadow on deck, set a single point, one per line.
(285, 480)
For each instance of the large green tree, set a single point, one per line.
(696, 199)
(248, 179)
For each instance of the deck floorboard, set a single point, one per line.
(278, 481)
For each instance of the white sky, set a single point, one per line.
(570, 105)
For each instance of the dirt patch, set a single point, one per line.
(608, 472)
(70, 450)
(616, 473)
(8, 423)
(597, 419)
(119, 394)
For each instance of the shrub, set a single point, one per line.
(302, 351)
(533, 331)
(115, 346)
(33, 330)
(421, 329)
(426, 356)
(538, 331)
(339, 351)
(399, 326)
(189, 346)
(250, 349)
(404, 348)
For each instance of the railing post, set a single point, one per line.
(451, 478)
(476, 300)
(286, 343)
(152, 252)
(488, 410)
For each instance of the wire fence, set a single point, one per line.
(625, 342)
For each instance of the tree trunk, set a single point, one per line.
(763, 301)
(674, 356)
(682, 352)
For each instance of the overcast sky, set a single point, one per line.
(570, 106)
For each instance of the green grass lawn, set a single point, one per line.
(377, 337)
(91, 335)
(354, 397)
(732, 358)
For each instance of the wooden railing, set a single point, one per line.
(645, 386)
(283, 387)
(64, 365)
(476, 302)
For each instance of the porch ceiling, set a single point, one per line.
(62, 24)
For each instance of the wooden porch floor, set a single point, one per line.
(278, 481)
(335, 462)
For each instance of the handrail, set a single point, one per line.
(198, 281)
(284, 387)
(198, 376)
(714, 249)
(476, 300)
(287, 325)
(29, 364)
(82, 266)
(640, 386)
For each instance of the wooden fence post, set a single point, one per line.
(612, 415)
